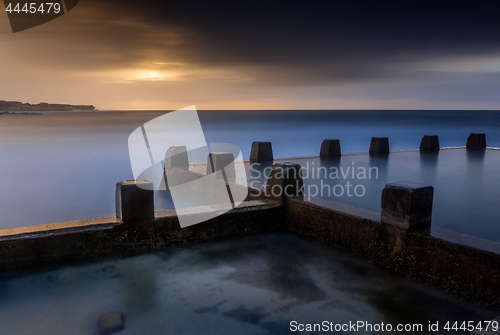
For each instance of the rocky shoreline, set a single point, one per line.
(17, 106)
(19, 113)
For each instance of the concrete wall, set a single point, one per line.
(460, 270)
(24, 249)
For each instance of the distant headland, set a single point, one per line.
(17, 106)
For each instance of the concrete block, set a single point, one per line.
(284, 180)
(134, 201)
(261, 152)
(379, 146)
(330, 148)
(476, 141)
(407, 205)
(111, 323)
(176, 157)
(429, 143)
(217, 161)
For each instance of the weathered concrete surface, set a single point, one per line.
(111, 323)
(178, 176)
(429, 143)
(218, 161)
(23, 249)
(379, 146)
(460, 270)
(330, 148)
(284, 180)
(261, 152)
(134, 200)
(176, 157)
(468, 240)
(407, 205)
(476, 141)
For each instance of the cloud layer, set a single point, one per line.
(279, 54)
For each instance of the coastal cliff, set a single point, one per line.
(42, 106)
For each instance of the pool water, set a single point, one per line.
(466, 184)
(251, 285)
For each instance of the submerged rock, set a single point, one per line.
(111, 323)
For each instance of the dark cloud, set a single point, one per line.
(309, 41)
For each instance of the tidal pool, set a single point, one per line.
(466, 183)
(251, 285)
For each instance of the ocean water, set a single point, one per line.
(64, 166)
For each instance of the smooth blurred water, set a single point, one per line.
(466, 184)
(64, 166)
(251, 285)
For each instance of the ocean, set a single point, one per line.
(63, 166)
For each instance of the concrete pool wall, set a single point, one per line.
(444, 260)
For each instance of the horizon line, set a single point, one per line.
(302, 109)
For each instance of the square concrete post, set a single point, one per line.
(222, 163)
(379, 146)
(429, 143)
(407, 205)
(476, 141)
(284, 180)
(176, 157)
(134, 201)
(261, 152)
(330, 148)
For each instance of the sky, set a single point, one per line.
(250, 54)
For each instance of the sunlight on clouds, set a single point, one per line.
(157, 71)
(150, 75)
(126, 76)
(117, 57)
